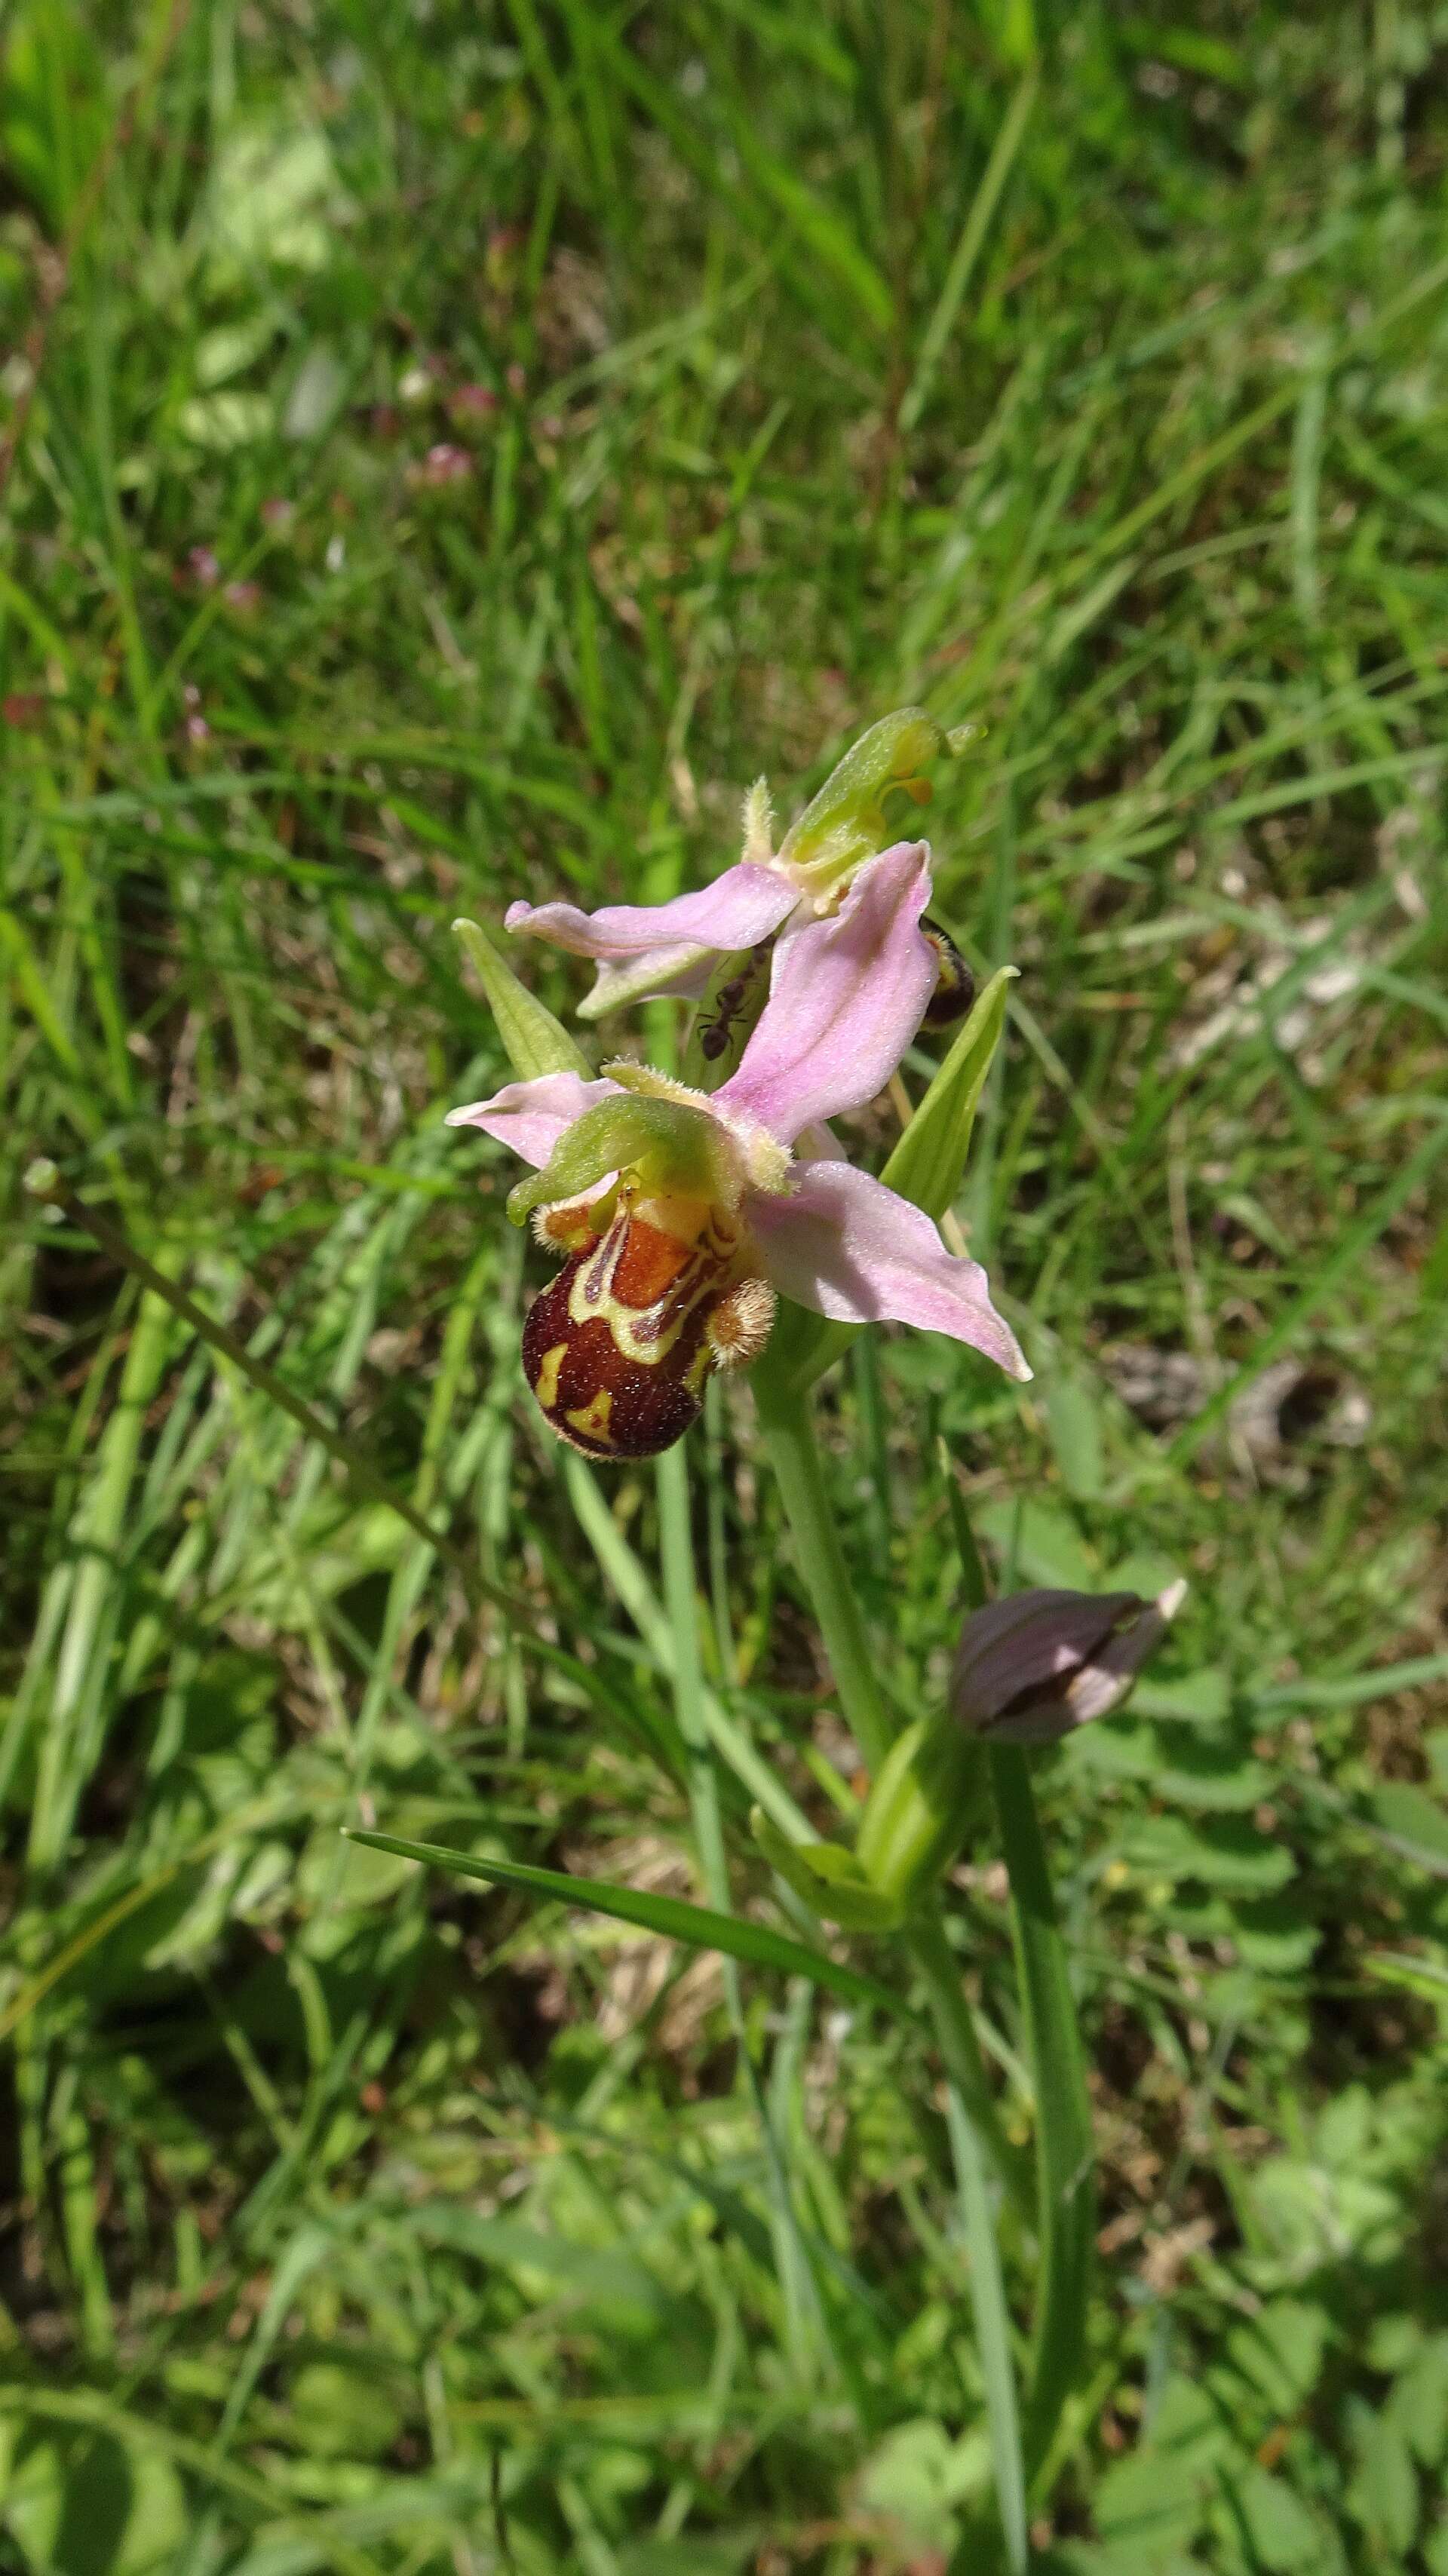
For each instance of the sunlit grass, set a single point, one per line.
(467, 450)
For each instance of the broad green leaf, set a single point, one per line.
(89, 2504)
(1354, 1690)
(1383, 2495)
(717, 2555)
(919, 2476)
(1151, 2503)
(601, 2276)
(1073, 1419)
(1274, 1934)
(755, 1943)
(1206, 1772)
(342, 2410)
(274, 199)
(1146, 2504)
(1283, 2533)
(1039, 1543)
(225, 421)
(1418, 2404)
(1280, 2351)
(1203, 1698)
(1416, 1822)
(1228, 1853)
(534, 1042)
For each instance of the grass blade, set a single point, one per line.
(697, 1925)
(992, 2330)
(967, 251)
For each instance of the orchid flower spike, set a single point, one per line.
(675, 947)
(1034, 1666)
(682, 1214)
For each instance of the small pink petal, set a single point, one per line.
(740, 908)
(531, 1116)
(843, 1244)
(847, 997)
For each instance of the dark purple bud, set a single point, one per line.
(1030, 1668)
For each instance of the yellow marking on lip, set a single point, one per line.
(546, 1387)
(592, 1419)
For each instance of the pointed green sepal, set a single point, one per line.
(534, 1042)
(929, 1162)
(828, 1878)
(668, 1147)
(847, 821)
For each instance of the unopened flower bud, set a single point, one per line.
(1031, 1668)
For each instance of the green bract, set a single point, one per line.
(829, 1878)
(920, 1809)
(927, 1165)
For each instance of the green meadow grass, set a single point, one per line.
(451, 451)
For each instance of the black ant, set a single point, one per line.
(716, 1032)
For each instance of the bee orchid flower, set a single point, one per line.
(683, 1214)
(676, 947)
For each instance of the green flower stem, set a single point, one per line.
(794, 1454)
(955, 2032)
(1065, 2182)
(795, 1458)
(1065, 2196)
(976, 2135)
